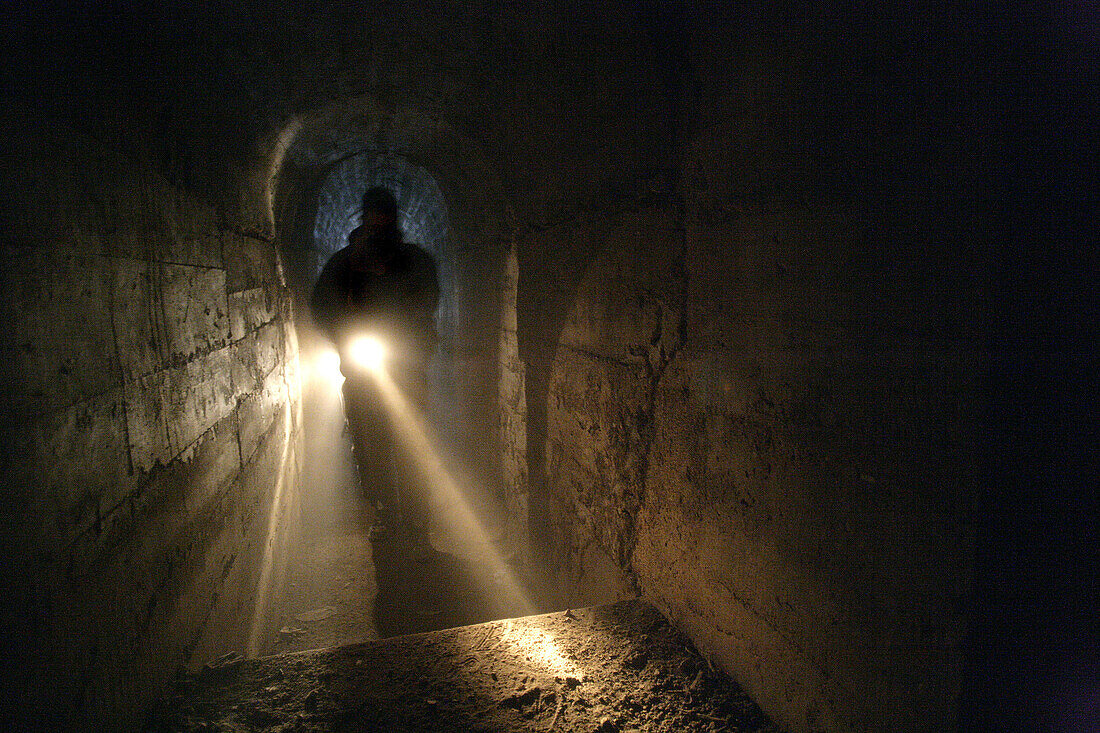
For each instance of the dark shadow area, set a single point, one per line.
(435, 590)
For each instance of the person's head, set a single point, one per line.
(379, 211)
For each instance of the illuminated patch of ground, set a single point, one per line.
(610, 668)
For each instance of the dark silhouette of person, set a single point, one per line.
(381, 286)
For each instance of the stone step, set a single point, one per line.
(618, 667)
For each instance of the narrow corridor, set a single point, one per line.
(777, 318)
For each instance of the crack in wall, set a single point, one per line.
(606, 491)
(656, 370)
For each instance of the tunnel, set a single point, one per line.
(772, 322)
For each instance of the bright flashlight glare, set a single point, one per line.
(328, 366)
(368, 352)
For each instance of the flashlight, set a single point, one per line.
(368, 352)
(326, 366)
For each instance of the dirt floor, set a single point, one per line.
(330, 593)
(610, 668)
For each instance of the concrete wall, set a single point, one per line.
(150, 430)
(780, 456)
(766, 390)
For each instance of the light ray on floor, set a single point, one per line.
(455, 515)
(411, 428)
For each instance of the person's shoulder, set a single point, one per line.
(338, 258)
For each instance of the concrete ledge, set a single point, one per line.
(619, 667)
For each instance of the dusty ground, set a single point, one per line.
(610, 668)
(330, 594)
(341, 590)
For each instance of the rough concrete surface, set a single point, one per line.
(732, 434)
(609, 668)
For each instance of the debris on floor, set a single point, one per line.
(330, 593)
(612, 669)
(317, 614)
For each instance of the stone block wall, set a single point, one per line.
(149, 421)
(812, 475)
(622, 328)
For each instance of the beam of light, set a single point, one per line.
(326, 367)
(411, 428)
(328, 489)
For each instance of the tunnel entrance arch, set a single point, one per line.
(424, 217)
